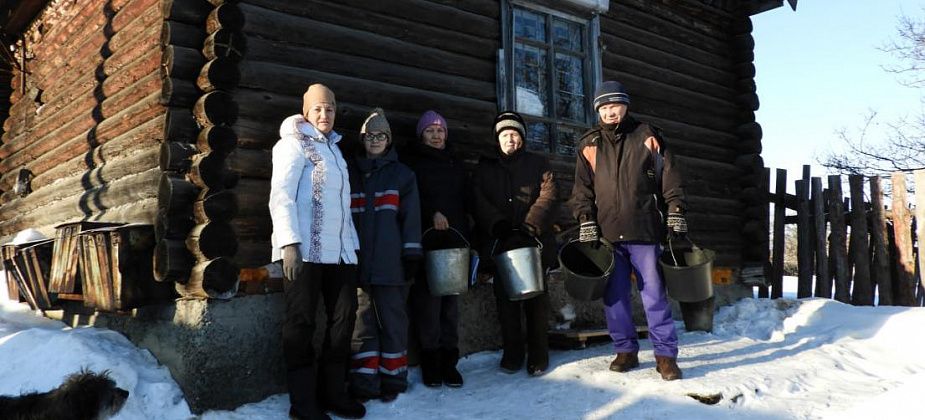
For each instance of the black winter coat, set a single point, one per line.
(622, 174)
(442, 186)
(519, 189)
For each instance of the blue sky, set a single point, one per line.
(818, 69)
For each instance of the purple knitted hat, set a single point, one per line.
(431, 118)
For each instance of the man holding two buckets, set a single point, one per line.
(622, 174)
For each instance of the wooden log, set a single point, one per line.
(253, 253)
(741, 26)
(180, 126)
(743, 42)
(193, 12)
(251, 163)
(823, 278)
(221, 206)
(805, 236)
(904, 295)
(182, 62)
(765, 184)
(226, 44)
(879, 238)
(176, 157)
(748, 101)
(643, 74)
(219, 73)
(213, 279)
(217, 139)
(346, 63)
(175, 194)
(215, 108)
(182, 35)
(227, 16)
(746, 85)
(212, 240)
(175, 226)
(172, 261)
(209, 171)
(659, 21)
(749, 131)
(777, 259)
(837, 246)
(179, 93)
(253, 197)
(862, 292)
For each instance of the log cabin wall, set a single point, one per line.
(688, 68)
(407, 59)
(86, 120)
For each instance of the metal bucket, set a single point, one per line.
(692, 279)
(586, 267)
(520, 271)
(447, 269)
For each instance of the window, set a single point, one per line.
(550, 57)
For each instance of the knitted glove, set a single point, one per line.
(292, 262)
(676, 222)
(529, 229)
(589, 232)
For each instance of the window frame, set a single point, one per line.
(591, 64)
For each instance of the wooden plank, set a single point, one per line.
(837, 246)
(765, 184)
(879, 238)
(777, 258)
(804, 239)
(823, 276)
(904, 295)
(861, 292)
(920, 223)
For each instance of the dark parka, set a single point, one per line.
(442, 185)
(622, 175)
(519, 188)
(387, 215)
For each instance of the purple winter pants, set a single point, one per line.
(642, 258)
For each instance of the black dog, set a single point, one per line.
(84, 395)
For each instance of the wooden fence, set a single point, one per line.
(855, 245)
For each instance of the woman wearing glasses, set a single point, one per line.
(314, 236)
(387, 214)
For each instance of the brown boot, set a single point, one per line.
(624, 362)
(667, 367)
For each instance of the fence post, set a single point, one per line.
(777, 260)
(920, 223)
(902, 231)
(880, 272)
(763, 291)
(823, 279)
(804, 239)
(837, 242)
(862, 292)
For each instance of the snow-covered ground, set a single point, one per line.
(766, 359)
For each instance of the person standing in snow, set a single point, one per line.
(442, 184)
(623, 172)
(515, 190)
(387, 213)
(314, 236)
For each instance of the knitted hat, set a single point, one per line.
(431, 118)
(316, 93)
(510, 120)
(609, 92)
(376, 121)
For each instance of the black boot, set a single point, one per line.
(451, 376)
(430, 368)
(345, 407)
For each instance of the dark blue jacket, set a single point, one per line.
(387, 215)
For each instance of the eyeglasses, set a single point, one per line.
(374, 137)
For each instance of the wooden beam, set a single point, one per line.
(879, 237)
(904, 294)
(823, 277)
(861, 293)
(837, 245)
(777, 258)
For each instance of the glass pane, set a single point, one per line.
(529, 25)
(566, 34)
(530, 80)
(566, 139)
(537, 136)
(570, 98)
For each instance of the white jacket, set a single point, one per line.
(310, 195)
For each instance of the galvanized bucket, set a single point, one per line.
(447, 269)
(520, 271)
(691, 278)
(586, 267)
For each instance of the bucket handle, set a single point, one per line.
(603, 243)
(671, 250)
(454, 230)
(538, 244)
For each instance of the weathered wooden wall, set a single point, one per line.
(423, 55)
(85, 118)
(688, 68)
